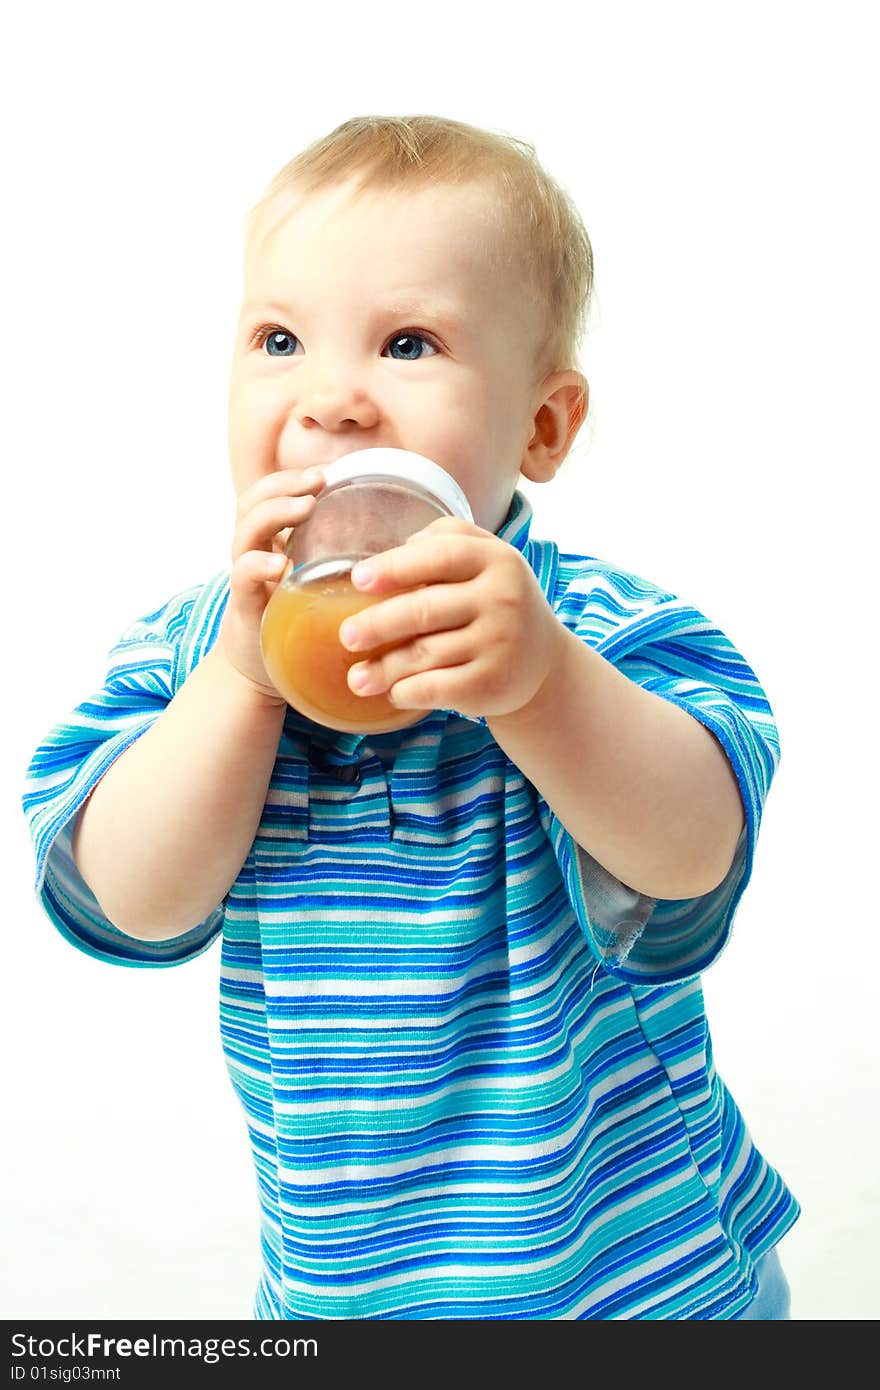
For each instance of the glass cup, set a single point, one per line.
(372, 500)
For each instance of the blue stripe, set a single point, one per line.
(475, 1069)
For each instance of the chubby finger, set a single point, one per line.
(274, 517)
(446, 687)
(450, 525)
(435, 608)
(437, 651)
(249, 579)
(281, 482)
(429, 557)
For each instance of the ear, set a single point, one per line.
(562, 409)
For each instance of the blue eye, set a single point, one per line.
(410, 339)
(279, 343)
(276, 338)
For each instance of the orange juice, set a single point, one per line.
(308, 664)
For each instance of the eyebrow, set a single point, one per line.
(447, 315)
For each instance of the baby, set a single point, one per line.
(460, 975)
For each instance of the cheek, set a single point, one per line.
(473, 439)
(254, 424)
(254, 414)
(462, 423)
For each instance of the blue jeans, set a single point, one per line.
(772, 1302)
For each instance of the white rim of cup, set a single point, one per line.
(400, 465)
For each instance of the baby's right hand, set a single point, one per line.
(266, 515)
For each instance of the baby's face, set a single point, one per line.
(382, 322)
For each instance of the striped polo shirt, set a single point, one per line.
(474, 1066)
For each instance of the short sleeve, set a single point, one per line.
(145, 667)
(670, 648)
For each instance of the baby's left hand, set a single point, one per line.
(478, 636)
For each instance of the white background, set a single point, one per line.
(724, 160)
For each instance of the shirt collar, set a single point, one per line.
(515, 526)
(542, 556)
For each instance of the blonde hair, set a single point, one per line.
(541, 229)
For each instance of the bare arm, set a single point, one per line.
(165, 832)
(636, 780)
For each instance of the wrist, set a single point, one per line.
(262, 698)
(544, 700)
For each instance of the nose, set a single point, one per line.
(333, 396)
